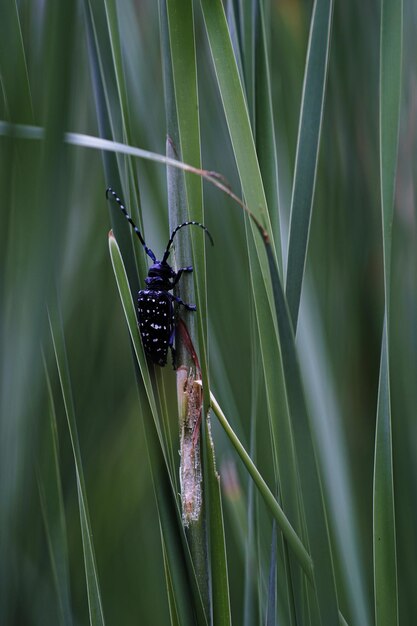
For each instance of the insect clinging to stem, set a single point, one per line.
(155, 310)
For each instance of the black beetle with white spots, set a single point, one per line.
(155, 309)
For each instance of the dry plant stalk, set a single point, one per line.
(190, 406)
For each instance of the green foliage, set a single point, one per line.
(305, 328)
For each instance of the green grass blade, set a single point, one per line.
(237, 117)
(93, 588)
(264, 127)
(163, 485)
(97, 143)
(384, 538)
(390, 94)
(307, 151)
(282, 521)
(101, 79)
(385, 554)
(52, 504)
(184, 74)
(173, 612)
(112, 23)
(220, 579)
(325, 409)
(116, 52)
(131, 319)
(247, 45)
(315, 514)
(235, 110)
(234, 35)
(182, 588)
(14, 78)
(180, 20)
(271, 606)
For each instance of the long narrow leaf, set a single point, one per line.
(220, 579)
(164, 490)
(389, 122)
(101, 72)
(285, 526)
(13, 67)
(384, 539)
(93, 588)
(97, 143)
(385, 554)
(307, 151)
(237, 117)
(130, 314)
(235, 109)
(183, 54)
(271, 607)
(264, 127)
(315, 513)
(52, 504)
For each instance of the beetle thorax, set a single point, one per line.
(159, 276)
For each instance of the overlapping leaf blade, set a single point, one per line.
(384, 539)
(309, 130)
(93, 587)
(241, 137)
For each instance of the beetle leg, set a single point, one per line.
(179, 274)
(189, 307)
(173, 351)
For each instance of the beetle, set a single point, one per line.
(155, 310)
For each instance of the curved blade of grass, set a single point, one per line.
(164, 487)
(131, 319)
(237, 118)
(247, 45)
(178, 559)
(220, 579)
(234, 35)
(389, 122)
(285, 464)
(52, 505)
(93, 588)
(315, 513)
(184, 74)
(101, 81)
(384, 539)
(184, 80)
(291, 536)
(96, 143)
(130, 314)
(13, 67)
(271, 605)
(307, 151)
(235, 110)
(116, 53)
(196, 528)
(336, 471)
(173, 612)
(264, 127)
(182, 587)
(112, 23)
(182, 253)
(113, 91)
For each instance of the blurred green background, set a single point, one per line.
(53, 247)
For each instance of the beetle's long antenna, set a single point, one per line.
(174, 232)
(131, 222)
